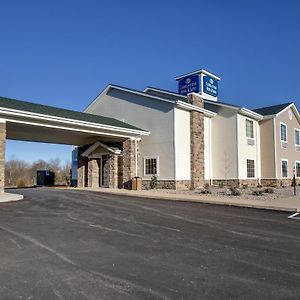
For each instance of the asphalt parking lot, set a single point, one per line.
(68, 244)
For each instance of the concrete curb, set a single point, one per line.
(8, 197)
(174, 197)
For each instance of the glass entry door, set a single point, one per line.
(104, 171)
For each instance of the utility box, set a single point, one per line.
(45, 177)
(136, 183)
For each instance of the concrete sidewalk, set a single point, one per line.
(290, 204)
(9, 197)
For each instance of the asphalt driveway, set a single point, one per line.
(68, 244)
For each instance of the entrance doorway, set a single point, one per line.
(104, 171)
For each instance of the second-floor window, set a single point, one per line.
(297, 137)
(249, 129)
(283, 132)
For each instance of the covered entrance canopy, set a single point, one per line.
(26, 121)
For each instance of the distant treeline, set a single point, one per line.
(19, 173)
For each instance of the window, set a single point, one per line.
(297, 137)
(283, 136)
(150, 166)
(249, 129)
(284, 168)
(250, 168)
(297, 168)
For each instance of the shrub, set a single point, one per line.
(259, 185)
(244, 186)
(221, 184)
(268, 190)
(206, 185)
(153, 182)
(257, 193)
(21, 183)
(205, 191)
(273, 185)
(234, 191)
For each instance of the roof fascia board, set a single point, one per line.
(165, 92)
(87, 152)
(197, 72)
(292, 105)
(268, 117)
(191, 107)
(109, 87)
(250, 113)
(100, 133)
(221, 104)
(18, 113)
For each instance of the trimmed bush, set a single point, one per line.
(268, 190)
(221, 184)
(273, 185)
(244, 186)
(205, 191)
(257, 193)
(234, 191)
(153, 182)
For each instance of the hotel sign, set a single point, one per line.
(190, 84)
(210, 86)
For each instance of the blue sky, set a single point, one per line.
(63, 53)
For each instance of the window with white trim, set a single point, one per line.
(250, 168)
(297, 169)
(284, 168)
(297, 137)
(249, 129)
(283, 132)
(151, 166)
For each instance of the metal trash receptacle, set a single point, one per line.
(136, 183)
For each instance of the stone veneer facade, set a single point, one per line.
(2, 155)
(93, 173)
(81, 169)
(113, 171)
(129, 161)
(197, 143)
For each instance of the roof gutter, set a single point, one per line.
(250, 113)
(36, 116)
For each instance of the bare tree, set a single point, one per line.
(21, 173)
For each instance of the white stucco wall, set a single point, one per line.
(207, 149)
(224, 144)
(182, 144)
(152, 115)
(246, 151)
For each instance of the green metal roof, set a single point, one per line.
(271, 110)
(62, 113)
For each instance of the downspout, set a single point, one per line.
(136, 160)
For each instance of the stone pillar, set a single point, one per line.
(197, 143)
(2, 154)
(130, 148)
(93, 173)
(113, 171)
(81, 168)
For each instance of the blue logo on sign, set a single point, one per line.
(190, 84)
(210, 86)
